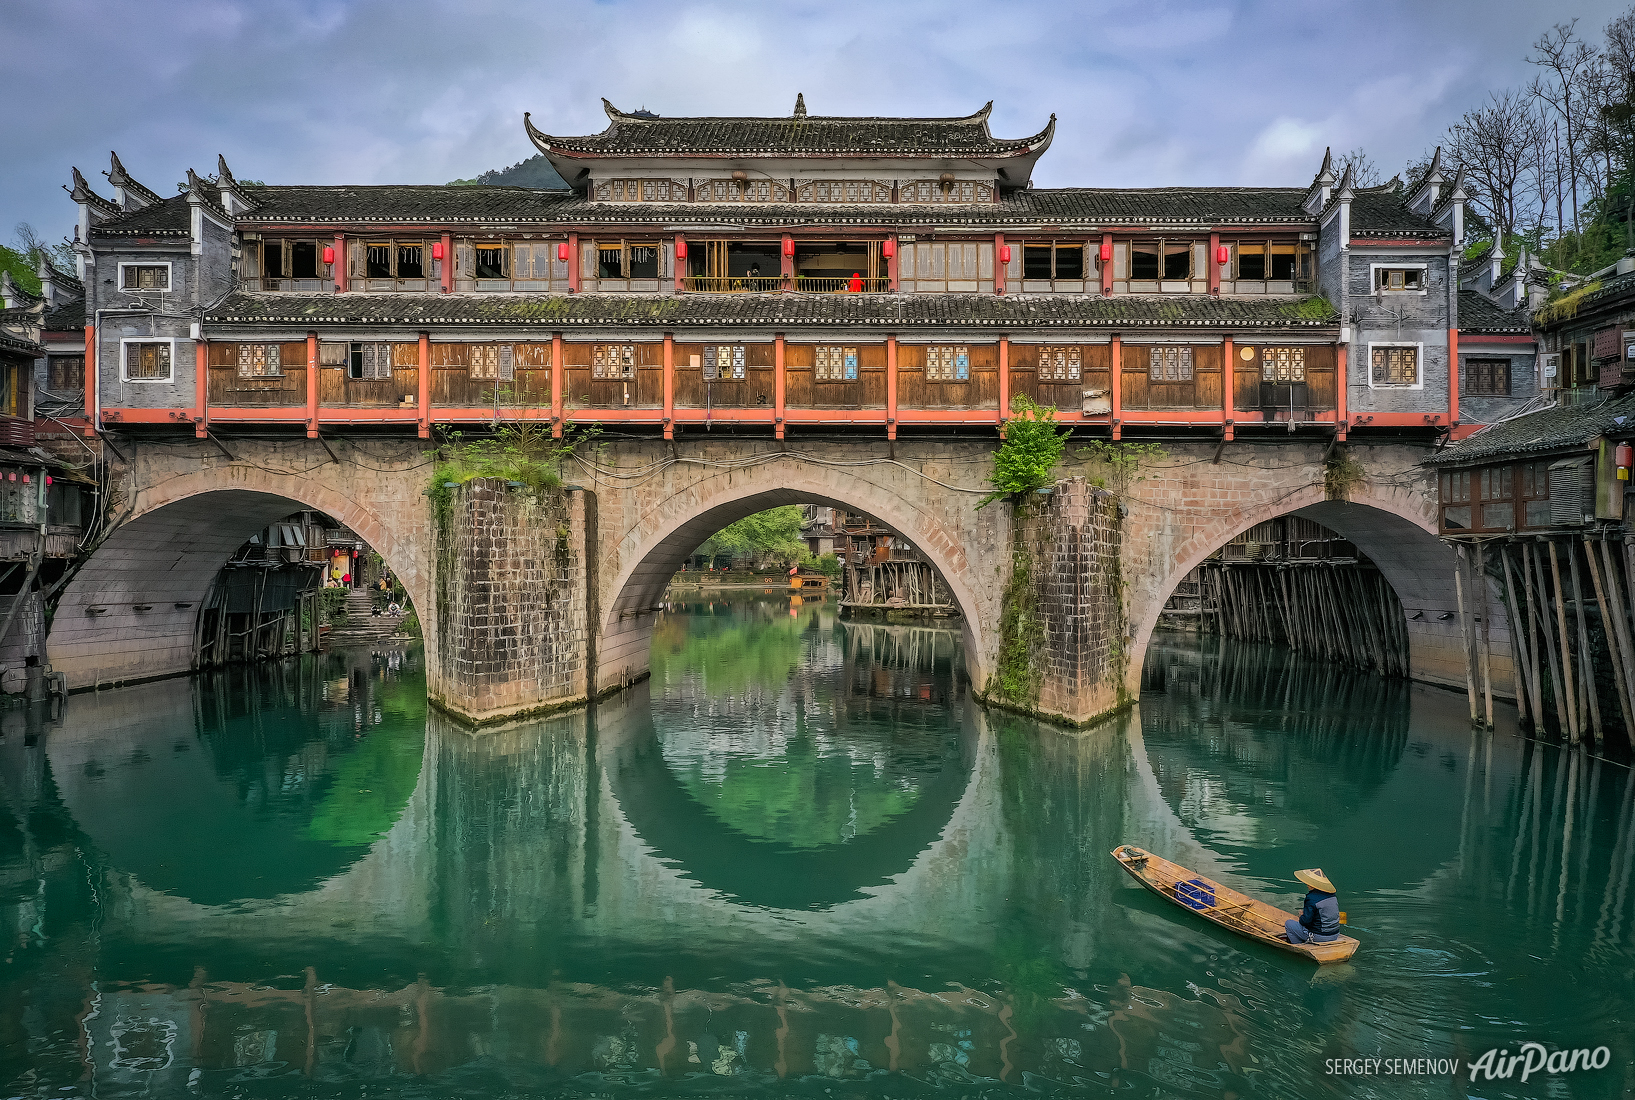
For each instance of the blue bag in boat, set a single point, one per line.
(1196, 894)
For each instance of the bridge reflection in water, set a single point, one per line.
(797, 851)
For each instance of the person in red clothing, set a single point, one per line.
(856, 285)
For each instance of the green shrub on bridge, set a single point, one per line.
(1026, 458)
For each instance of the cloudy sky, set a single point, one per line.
(1147, 93)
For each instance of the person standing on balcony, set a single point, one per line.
(856, 285)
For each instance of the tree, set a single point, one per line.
(774, 533)
(1567, 67)
(1364, 172)
(33, 246)
(1496, 145)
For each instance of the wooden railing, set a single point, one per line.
(803, 284)
(732, 284)
(827, 284)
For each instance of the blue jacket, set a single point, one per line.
(1321, 914)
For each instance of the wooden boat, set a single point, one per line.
(1224, 906)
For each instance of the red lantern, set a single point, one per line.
(681, 250)
(437, 250)
(789, 246)
(329, 254)
(48, 479)
(1106, 251)
(1004, 253)
(888, 248)
(1623, 456)
(562, 251)
(25, 479)
(1222, 254)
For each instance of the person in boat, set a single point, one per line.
(1320, 917)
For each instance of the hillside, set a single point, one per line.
(536, 171)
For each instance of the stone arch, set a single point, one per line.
(181, 529)
(1396, 529)
(645, 554)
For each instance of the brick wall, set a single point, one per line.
(1072, 540)
(511, 596)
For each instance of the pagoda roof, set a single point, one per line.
(646, 135)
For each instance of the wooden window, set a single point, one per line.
(1456, 507)
(14, 389)
(1283, 365)
(627, 260)
(1170, 365)
(144, 276)
(399, 260)
(333, 355)
(1395, 366)
(1399, 278)
(148, 362)
(947, 191)
(370, 362)
(1535, 494)
(723, 362)
(493, 362)
(1494, 488)
(844, 191)
(640, 191)
(492, 260)
(1487, 377)
(1165, 259)
(1060, 364)
(613, 361)
(1053, 260)
(67, 372)
(259, 361)
(834, 364)
(947, 363)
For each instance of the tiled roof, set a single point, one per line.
(17, 345)
(1609, 291)
(1478, 314)
(168, 218)
(907, 311)
(493, 205)
(1382, 213)
(68, 317)
(789, 136)
(1562, 428)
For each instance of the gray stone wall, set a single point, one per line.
(1397, 318)
(168, 316)
(1475, 409)
(512, 601)
(1071, 542)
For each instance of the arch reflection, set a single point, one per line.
(248, 783)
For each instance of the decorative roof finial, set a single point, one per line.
(800, 104)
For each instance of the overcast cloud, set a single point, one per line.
(1147, 93)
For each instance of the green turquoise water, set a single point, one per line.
(798, 860)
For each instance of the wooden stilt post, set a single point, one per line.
(1614, 642)
(1541, 619)
(1525, 706)
(1621, 626)
(1568, 679)
(1483, 648)
(1586, 663)
(1464, 629)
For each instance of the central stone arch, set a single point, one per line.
(647, 545)
(151, 575)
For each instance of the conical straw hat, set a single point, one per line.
(1314, 877)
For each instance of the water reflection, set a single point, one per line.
(805, 856)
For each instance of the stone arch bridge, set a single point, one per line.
(545, 602)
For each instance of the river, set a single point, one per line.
(799, 859)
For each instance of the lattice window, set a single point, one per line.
(613, 361)
(1487, 377)
(371, 362)
(1170, 365)
(947, 363)
(149, 362)
(259, 361)
(835, 364)
(845, 191)
(1060, 364)
(1286, 365)
(724, 362)
(493, 362)
(952, 191)
(1395, 366)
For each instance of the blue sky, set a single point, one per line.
(1147, 93)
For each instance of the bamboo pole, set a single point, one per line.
(1586, 662)
(1464, 629)
(1526, 698)
(1567, 671)
(1483, 648)
(1541, 618)
(1614, 643)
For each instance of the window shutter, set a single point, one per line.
(465, 260)
(275, 365)
(383, 363)
(587, 259)
(354, 259)
(508, 363)
(370, 352)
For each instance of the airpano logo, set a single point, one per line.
(1531, 1058)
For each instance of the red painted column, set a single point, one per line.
(1107, 267)
(1228, 383)
(574, 261)
(891, 387)
(1004, 378)
(201, 387)
(1342, 413)
(339, 270)
(93, 392)
(998, 268)
(557, 371)
(777, 385)
(670, 382)
(891, 263)
(1214, 268)
(681, 264)
(1453, 376)
(423, 379)
(448, 264)
(312, 385)
(1117, 391)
